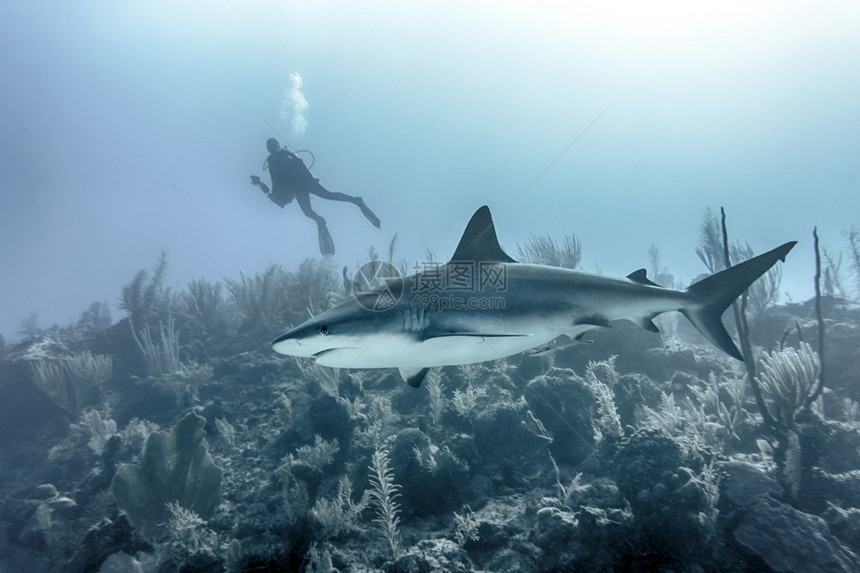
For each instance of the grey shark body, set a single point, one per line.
(492, 307)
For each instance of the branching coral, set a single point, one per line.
(544, 250)
(384, 493)
(787, 381)
(261, 299)
(99, 430)
(436, 390)
(161, 355)
(378, 416)
(314, 285)
(536, 428)
(465, 527)
(730, 413)
(339, 515)
(68, 381)
(465, 402)
(203, 304)
(187, 531)
(314, 457)
(144, 298)
(607, 422)
(668, 416)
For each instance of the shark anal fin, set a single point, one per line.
(641, 277)
(593, 321)
(413, 376)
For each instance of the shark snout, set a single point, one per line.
(291, 346)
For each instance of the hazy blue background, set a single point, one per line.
(127, 127)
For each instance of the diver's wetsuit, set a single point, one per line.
(292, 180)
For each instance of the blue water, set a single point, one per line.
(126, 128)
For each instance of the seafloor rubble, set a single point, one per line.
(176, 440)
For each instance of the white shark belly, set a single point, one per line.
(400, 352)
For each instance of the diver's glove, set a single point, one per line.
(255, 180)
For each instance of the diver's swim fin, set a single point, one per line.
(368, 214)
(326, 242)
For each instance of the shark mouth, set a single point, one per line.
(322, 352)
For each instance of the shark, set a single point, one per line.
(483, 305)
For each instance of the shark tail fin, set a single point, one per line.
(712, 295)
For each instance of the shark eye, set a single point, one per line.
(323, 330)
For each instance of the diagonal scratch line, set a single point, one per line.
(493, 348)
(351, 206)
(272, 127)
(551, 163)
(363, 352)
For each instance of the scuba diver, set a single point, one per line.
(292, 179)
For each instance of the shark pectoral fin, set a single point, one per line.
(413, 376)
(648, 324)
(558, 343)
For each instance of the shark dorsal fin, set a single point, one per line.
(479, 241)
(641, 277)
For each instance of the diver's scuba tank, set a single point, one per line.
(294, 154)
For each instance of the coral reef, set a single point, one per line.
(200, 450)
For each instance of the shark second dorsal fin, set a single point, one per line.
(641, 277)
(479, 241)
